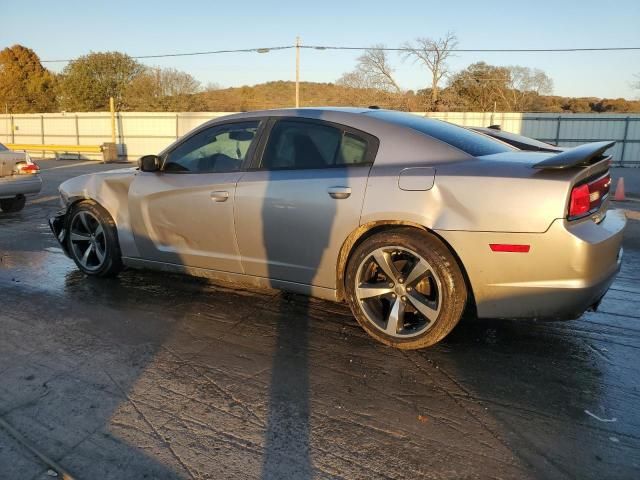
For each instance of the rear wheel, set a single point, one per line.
(15, 204)
(405, 288)
(93, 240)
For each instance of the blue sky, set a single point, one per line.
(69, 28)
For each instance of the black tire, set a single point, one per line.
(11, 205)
(111, 263)
(451, 299)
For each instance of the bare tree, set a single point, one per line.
(355, 79)
(373, 64)
(372, 71)
(433, 54)
(524, 84)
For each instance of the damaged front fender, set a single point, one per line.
(59, 225)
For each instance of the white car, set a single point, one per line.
(19, 177)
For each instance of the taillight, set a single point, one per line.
(24, 168)
(588, 197)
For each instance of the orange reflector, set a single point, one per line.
(506, 247)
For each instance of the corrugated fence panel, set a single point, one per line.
(141, 133)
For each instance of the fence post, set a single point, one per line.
(77, 133)
(42, 129)
(177, 130)
(13, 135)
(558, 131)
(112, 112)
(624, 138)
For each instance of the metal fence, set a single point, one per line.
(140, 133)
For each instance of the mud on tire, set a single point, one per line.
(444, 289)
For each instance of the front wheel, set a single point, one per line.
(93, 240)
(405, 288)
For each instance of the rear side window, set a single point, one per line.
(3, 148)
(473, 143)
(353, 150)
(300, 145)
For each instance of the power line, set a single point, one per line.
(190, 54)
(387, 49)
(475, 50)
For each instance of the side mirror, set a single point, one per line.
(149, 163)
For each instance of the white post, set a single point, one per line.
(297, 72)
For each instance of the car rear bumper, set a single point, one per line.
(567, 270)
(20, 185)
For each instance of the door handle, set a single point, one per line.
(219, 196)
(339, 192)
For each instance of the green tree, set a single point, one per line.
(162, 89)
(525, 85)
(480, 86)
(25, 85)
(89, 81)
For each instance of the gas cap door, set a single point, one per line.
(417, 178)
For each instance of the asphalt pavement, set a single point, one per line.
(160, 376)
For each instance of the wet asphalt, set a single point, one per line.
(162, 376)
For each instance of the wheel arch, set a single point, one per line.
(364, 231)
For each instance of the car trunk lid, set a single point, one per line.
(9, 160)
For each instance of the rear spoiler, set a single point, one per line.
(575, 157)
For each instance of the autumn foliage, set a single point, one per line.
(86, 83)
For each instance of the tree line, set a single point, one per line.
(86, 83)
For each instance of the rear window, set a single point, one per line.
(470, 142)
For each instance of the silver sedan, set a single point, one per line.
(410, 220)
(19, 177)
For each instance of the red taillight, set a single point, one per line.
(24, 168)
(579, 204)
(588, 196)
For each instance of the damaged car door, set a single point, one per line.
(183, 213)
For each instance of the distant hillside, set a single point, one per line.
(282, 94)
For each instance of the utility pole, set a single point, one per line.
(297, 72)
(112, 109)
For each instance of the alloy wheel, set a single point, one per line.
(88, 242)
(398, 291)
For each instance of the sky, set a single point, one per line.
(64, 29)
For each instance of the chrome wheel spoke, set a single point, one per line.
(395, 322)
(370, 291)
(85, 222)
(85, 255)
(424, 306)
(383, 260)
(88, 242)
(99, 253)
(417, 272)
(80, 237)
